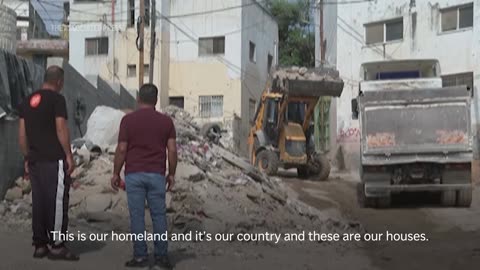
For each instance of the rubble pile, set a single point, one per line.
(303, 73)
(215, 191)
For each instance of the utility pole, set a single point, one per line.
(153, 38)
(141, 61)
(113, 42)
(322, 34)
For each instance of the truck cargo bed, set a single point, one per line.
(416, 121)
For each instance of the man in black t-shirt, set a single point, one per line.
(45, 143)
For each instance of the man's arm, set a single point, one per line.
(120, 155)
(63, 136)
(22, 137)
(172, 162)
(119, 160)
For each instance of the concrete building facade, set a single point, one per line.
(446, 30)
(212, 56)
(103, 42)
(221, 53)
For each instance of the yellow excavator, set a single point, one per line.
(283, 131)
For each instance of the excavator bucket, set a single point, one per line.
(303, 82)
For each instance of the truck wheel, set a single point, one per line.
(321, 166)
(448, 198)
(464, 197)
(267, 162)
(303, 172)
(384, 202)
(363, 200)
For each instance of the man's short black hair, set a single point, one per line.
(53, 74)
(148, 94)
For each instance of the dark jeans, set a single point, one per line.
(150, 186)
(50, 195)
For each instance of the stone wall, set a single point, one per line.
(8, 29)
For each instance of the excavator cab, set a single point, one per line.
(282, 135)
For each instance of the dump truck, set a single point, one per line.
(416, 135)
(282, 134)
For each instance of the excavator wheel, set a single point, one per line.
(321, 167)
(267, 162)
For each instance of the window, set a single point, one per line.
(96, 46)
(384, 31)
(252, 109)
(253, 53)
(131, 13)
(269, 63)
(210, 106)
(146, 70)
(177, 101)
(394, 30)
(458, 79)
(131, 71)
(457, 18)
(212, 45)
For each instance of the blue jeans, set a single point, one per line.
(150, 186)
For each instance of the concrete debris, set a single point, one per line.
(13, 194)
(3, 209)
(303, 73)
(97, 203)
(24, 185)
(189, 172)
(82, 155)
(215, 190)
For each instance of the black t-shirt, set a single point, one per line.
(39, 111)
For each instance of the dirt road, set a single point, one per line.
(453, 233)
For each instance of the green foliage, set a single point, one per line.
(296, 40)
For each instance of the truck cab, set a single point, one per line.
(415, 134)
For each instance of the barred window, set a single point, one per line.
(210, 106)
(458, 79)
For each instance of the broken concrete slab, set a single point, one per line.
(25, 185)
(189, 172)
(97, 203)
(13, 194)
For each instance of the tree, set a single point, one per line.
(296, 38)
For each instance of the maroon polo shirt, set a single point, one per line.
(146, 132)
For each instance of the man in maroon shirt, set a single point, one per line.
(144, 139)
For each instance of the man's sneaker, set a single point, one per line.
(163, 263)
(137, 263)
